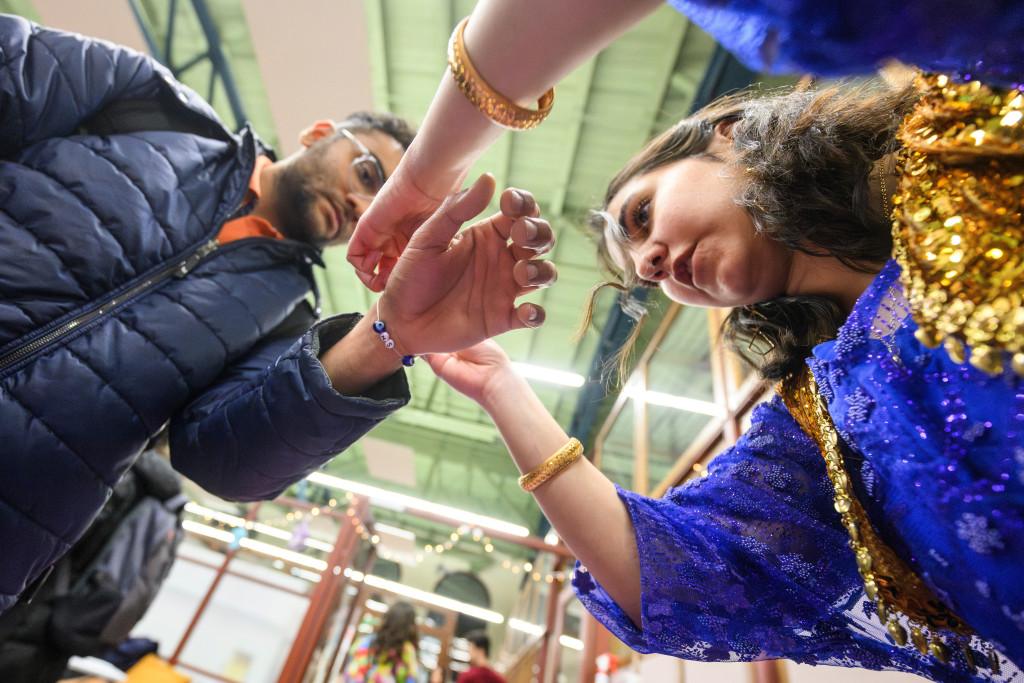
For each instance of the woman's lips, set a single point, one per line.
(682, 270)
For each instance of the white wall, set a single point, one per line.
(313, 54)
(247, 629)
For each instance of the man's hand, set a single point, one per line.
(452, 289)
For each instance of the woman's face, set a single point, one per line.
(680, 229)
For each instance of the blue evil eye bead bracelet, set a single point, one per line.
(381, 329)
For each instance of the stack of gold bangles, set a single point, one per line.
(493, 104)
(565, 456)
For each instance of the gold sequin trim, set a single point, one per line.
(888, 581)
(957, 226)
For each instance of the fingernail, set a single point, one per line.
(531, 270)
(533, 314)
(519, 202)
(531, 231)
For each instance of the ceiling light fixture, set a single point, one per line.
(286, 555)
(376, 606)
(399, 502)
(424, 596)
(567, 379)
(304, 574)
(382, 528)
(255, 546)
(210, 513)
(570, 642)
(526, 627)
(692, 405)
(208, 531)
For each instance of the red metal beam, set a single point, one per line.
(209, 593)
(321, 601)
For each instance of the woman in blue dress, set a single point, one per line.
(906, 487)
(873, 514)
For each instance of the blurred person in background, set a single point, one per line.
(390, 653)
(480, 670)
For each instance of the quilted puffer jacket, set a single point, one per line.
(119, 312)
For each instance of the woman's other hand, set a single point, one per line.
(474, 372)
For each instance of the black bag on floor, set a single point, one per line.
(100, 589)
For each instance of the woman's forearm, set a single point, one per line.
(521, 48)
(580, 502)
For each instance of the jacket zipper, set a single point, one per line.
(179, 270)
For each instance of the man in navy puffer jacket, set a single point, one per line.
(123, 306)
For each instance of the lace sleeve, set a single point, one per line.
(749, 563)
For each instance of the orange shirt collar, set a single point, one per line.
(250, 226)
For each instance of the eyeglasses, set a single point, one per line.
(365, 175)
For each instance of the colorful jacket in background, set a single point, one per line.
(368, 665)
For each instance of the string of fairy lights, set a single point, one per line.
(477, 535)
(291, 524)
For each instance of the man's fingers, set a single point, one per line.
(534, 274)
(515, 202)
(437, 232)
(365, 266)
(527, 316)
(531, 237)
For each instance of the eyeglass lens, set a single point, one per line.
(365, 176)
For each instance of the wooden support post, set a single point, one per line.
(320, 603)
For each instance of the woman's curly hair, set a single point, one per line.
(802, 164)
(397, 627)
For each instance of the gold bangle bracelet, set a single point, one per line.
(565, 456)
(493, 104)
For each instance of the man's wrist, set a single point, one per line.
(386, 334)
(359, 360)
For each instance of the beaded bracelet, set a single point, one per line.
(381, 329)
(563, 457)
(493, 104)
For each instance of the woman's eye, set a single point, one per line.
(641, 217)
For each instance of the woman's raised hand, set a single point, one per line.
(383, 232)
(451, 289)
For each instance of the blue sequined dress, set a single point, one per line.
(981, 39)
(752, 562)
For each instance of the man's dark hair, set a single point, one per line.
(480, 639)
(385, 122)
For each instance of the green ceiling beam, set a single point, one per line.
(207, 46)
(23, 8)
(464, 429)
(575, 100)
